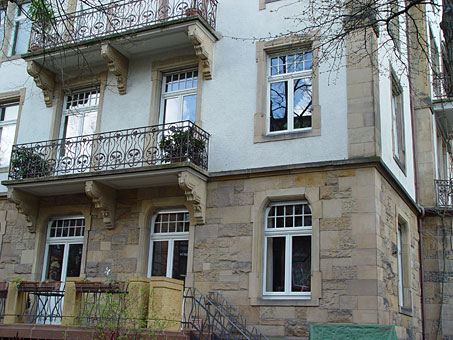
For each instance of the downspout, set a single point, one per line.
(417, 198)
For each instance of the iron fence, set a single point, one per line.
(444, 193)
(116, 17)
(41, 302)
(442, 86)
(122, 149)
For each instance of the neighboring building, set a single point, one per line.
(310, 205)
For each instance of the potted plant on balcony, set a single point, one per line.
(27, 163)
(182, 144)
(109, 286)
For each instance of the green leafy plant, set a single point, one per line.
(41, 12)
(17, 281)
(180, 144)
(26, 163)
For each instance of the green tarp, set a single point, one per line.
(352, 332)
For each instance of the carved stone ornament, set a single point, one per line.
(118, 65)
(195, 191)
(104, 198)
(44, 79)
(204, 49)
(27, 205)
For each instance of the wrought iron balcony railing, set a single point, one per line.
(122, 149)
(442, 86)
(116, 17)
(444, 193)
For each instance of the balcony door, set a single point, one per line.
(179, 96)
(79, 119)
(62, 259)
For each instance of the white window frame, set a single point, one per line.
(171, 237)
(176, 94)
(19, 19)
(288, 233)
(399, 135)
(69, 112)
(11, 122)
(61, 240)
(289, 78)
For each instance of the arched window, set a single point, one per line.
(287, 250)
(169, 244)
(64, 246)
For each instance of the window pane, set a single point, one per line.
(74, 260)
(89, 123)
(301, 264)
(6, 143)
(10, 112)
(180, 259)
(171, 110)
(160, 253)
(275, 264)
(2, 25)
(22, 31)
(302, 103)
(55, 262)
(188, 110)
(279, 106)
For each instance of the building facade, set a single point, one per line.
(175, 139)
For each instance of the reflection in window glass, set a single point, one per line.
(74, 260)
(55, 262)
(179, 96)
(290, 88)
(2, 26)
(181, 248)
(160, 252)
(301, 264)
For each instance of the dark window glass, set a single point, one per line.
(55, 262)
(74, 260)
(160, 251)
(275, 271)
(301, 264)
(180, 259)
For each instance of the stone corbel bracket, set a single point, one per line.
(195, 190)
(104, 198)
(118, 64)
(27, 205)
(44, 79)
(204, 49)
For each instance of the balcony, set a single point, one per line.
(444, 194)
(443, 103)
(119, 17)
(106, 37)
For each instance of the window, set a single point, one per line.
(22, 30)
(290, 92)
(404, 293)
(169, 244)
(8, 117)
(287, 250)
(64, 245)
(179, 96)
(399, 148)
(2, 26)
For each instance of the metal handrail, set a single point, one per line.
(203, 316)
(240, 320)
(122, 149)
(116, 17)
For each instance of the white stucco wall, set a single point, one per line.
(229, 100)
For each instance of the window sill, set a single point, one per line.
(406, 311)
(279, 136)
(289, 301)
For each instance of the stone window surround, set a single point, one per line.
(8, 97)
(263, 50)
(405, 307)
(158, 69)
(45, 215)
(10, 8)
(75, 84)
(262, 3)
(149, 208)
(262, 200)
